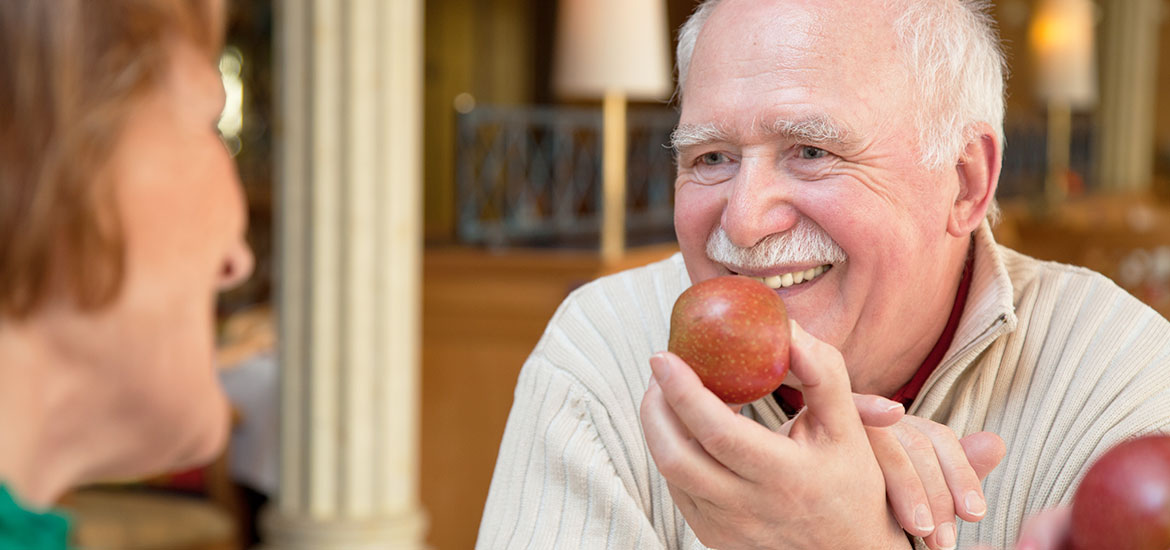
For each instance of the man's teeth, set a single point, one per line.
(794, 278)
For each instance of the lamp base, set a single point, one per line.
(613, 214)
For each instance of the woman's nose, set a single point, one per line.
(236, 266)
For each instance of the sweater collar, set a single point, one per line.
(989, 314)
(991, 301)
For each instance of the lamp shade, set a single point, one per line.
(1061, 39)
(612, 45)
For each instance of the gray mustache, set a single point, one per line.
(804, 243)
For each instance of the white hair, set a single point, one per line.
(806, 243)
(952, 54)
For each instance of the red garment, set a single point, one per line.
(791, 400)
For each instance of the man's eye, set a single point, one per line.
(714, 167)
(712, 159)
(808, 152)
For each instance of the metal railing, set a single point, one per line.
(1025, 158)
(532, 176)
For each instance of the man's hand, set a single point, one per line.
(932, 475)
(740, 485)
(929, 472)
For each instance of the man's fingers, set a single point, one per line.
(904, 489)
(1047, 530)
(984, 451)
(740, 444)
(921, 450)
(877, 411)
(962, 483)
(824, 383)
(682, 461)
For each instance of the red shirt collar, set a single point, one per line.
(791, 400)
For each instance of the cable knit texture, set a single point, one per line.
(1057, 360)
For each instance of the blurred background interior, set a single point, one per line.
(533, 135)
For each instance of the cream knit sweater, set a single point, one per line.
(1057, 360)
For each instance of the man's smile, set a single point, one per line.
(788, 277)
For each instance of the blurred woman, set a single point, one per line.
(121, 217)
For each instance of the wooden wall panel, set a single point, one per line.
(482, 315)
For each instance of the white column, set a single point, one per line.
(1129, 70)
(350, 181)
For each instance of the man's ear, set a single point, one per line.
(978, 170)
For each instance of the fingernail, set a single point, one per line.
(659, 367)
(922, 519)
(946, 536)
(975, 504)
(892, 406)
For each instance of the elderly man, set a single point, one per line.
(846, 152)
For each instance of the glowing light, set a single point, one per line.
(231, 120)
(1061, 39)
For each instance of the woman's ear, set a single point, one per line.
(978, 170)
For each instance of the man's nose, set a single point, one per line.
(759, 203)
(236, 266)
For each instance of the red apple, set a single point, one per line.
(733, 331)
(1124, 501)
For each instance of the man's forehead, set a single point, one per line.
(759, 70)
(807, 11)
(739, 29)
